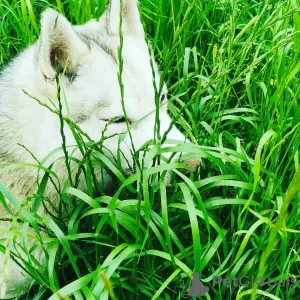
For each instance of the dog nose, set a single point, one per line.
(193, 164)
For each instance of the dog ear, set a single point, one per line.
(58, 42)
(130, 17)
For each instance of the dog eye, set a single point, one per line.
(119, 120)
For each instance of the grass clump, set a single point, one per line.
(232, 70)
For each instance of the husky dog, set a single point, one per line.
(86, 57)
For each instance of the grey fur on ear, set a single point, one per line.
(131, 18)
(58, 41)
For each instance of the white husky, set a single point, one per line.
(88, 62)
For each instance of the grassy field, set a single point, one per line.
(232, 70)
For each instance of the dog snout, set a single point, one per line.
(193, 164)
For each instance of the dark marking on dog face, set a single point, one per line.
(47, 78)
(80, 117)
(89, 39)
(108, 50)
(71, 76)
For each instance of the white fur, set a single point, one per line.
(93, 97)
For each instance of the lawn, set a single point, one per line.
(232, 72)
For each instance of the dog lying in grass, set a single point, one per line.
(82, 63)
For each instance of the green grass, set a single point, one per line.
(232, 70)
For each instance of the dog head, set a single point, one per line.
(87, 58)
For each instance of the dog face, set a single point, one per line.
(87, 59)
